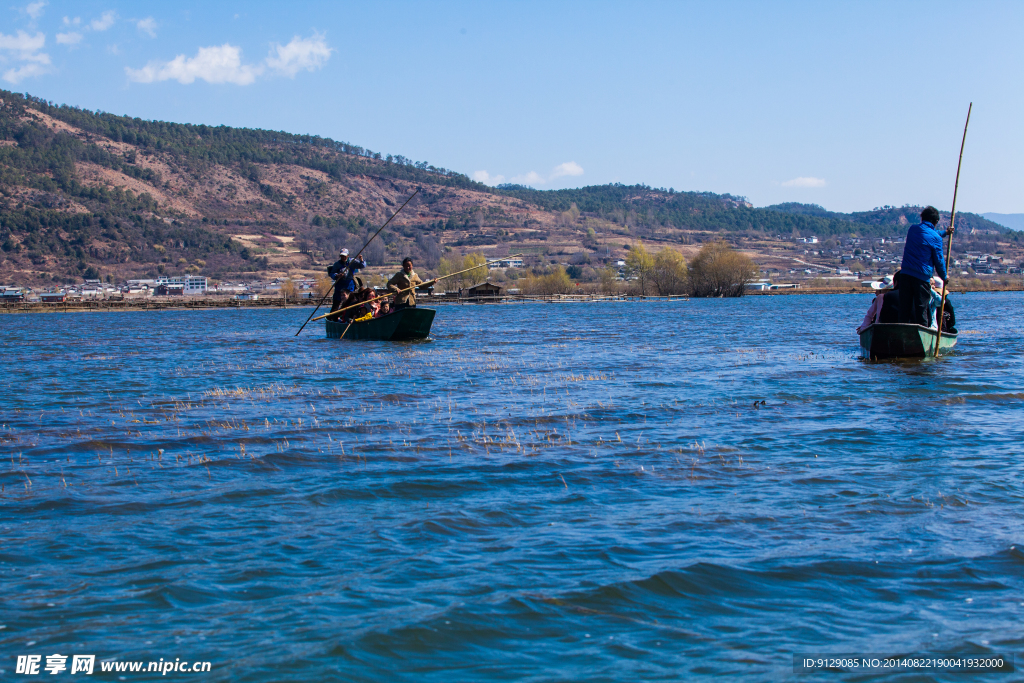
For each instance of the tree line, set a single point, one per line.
(716, 271)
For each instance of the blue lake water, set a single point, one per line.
(605, 491)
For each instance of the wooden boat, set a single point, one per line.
(406, 323)
(903, 340)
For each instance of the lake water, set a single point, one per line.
(604, 491)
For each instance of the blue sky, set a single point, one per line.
(848, 105)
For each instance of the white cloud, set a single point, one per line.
(568, 168)
(805, 182)
(69, 38)
(147, 25)
(24, 48)
(15, 76)
(35, 9)
(72, 22)
(487, 179)
(531, 178)
(23, 43)
(307, 54)
(105, 21)
(222, 64)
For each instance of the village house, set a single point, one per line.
(484, 289)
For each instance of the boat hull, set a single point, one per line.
(903, 340)
(407, 323)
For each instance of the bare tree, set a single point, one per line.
(430, 251)
(375, 251)
(718, 270)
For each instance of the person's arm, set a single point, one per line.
(871, 316)
(393, 284)
(938, 261)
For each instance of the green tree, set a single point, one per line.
(639, 264)
(556, 281)
(669, 272)
(608, 280)
(479, 271)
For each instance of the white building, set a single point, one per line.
(194, 284)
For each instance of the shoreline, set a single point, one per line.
(101, 306)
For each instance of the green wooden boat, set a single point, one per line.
(407, 323)
(903, 340)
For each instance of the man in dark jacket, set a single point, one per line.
(891, 302)
(344, 274)
(922, 258)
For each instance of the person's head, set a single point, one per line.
(343, 255)
(936, 283)
(930, 215)
(407, 264)
(896, 279)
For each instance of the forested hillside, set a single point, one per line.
(92, 194)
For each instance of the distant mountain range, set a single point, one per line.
(1014, 221)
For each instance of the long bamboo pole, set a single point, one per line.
(409, 289)
(952, 229)
(358, 254)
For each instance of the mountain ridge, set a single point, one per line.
(88, 194)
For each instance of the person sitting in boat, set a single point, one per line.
(922, 259)
(370, 306)
(874, 311)
(406, 279)
(345, 300)
(354, 305)
(343, 272)
(890, 312)
(385, 308)
(884, 307)
(948, 316)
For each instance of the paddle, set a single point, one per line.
(358, 254)
(949, 247)
(407, 289)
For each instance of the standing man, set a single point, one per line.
(404, 279)
(343, 272)
(922, 258)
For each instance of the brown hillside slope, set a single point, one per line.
(296, 218)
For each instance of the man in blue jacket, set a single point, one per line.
(922, 258)
(344, 273)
